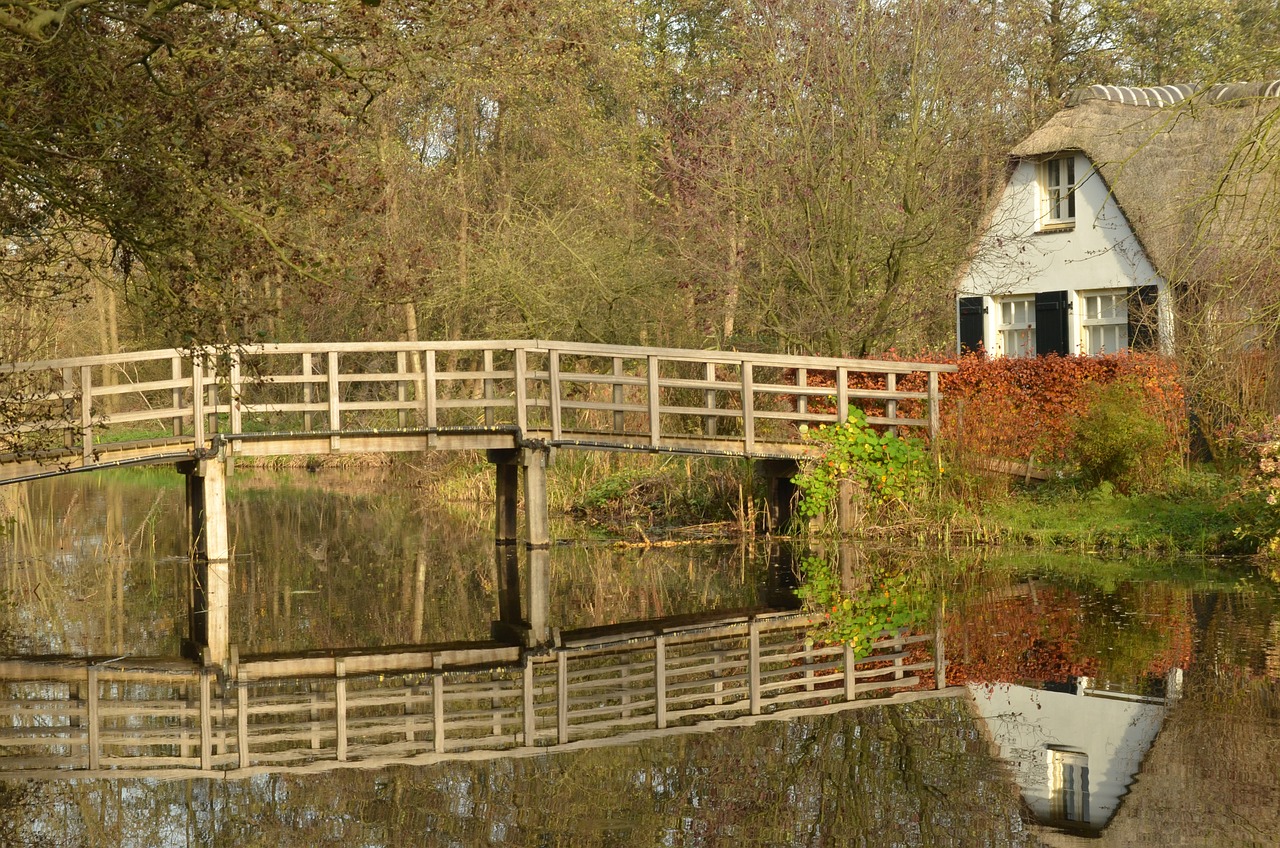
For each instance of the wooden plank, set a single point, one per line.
(206, 720)
(175, 397)
(753, 665)
(522, 389)
(95, 720)
(654, 400)
(619, 395)
(340, 707)
(437, 712)
(891, 405)
(488, 388)
(660, 680)
(709, 422)
(307, 400)
(850, 679)
(935, 410)
(402, 390)
(562, 697)
(242, 724)
(748, 408)
(86, 412)
(554, 390)
(331, 382)
(842, 394)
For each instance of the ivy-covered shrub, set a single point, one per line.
(888, 603)
(884, 469)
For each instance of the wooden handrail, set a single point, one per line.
(579, 395)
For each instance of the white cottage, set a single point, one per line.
(1109, 208)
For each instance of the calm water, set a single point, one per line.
(1118, 703)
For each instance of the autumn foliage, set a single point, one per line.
(1027, 408)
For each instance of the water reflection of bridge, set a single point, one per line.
(603, 686)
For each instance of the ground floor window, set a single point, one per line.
(1069, 784)
(1018, 326)
(1105, 323)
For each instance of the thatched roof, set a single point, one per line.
(1196, 173)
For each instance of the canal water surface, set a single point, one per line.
(1089, 700)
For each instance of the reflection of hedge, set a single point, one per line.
(1128, 637)
(1013, 408)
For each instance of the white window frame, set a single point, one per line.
(1069, 785)
(1058, 183)
(1101, 309)
(1016, 325)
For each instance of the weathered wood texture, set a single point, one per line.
(403, 396)
(64, 719)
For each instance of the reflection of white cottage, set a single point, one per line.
(1102, 212)
(1073, 756)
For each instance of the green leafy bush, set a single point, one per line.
(884, 468)
(889, 603)
(1116, 440)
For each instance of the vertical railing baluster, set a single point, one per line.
(86, 412)
(206, 720)
(655, 407)
(748, 408)
(335, 422)
(802, 382)
(553, 376)
(939, 654)
(488, 389)
(842, 394)
(242, 723)
(402, 388)
(522, 389)
(306, 392)
(530, 714)
(175, 396)
(619, 398)
(935, 421)
(68, 407)
(94, 741)
(429, 392)
(437, 712)
(710, 422)
(562, 697)
(891, 405)
(660, 680)
(753, 665)
(340, 707)
(235, 392)
(850, 672)
(197, 398)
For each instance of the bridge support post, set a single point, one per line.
(780, 493)
(210, 611)
(506, 494)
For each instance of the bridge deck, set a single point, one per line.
(271, 400)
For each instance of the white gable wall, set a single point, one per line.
(1019, 255)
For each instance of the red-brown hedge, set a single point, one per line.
(1019, 408)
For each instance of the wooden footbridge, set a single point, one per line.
(519, 401)
(115, 718)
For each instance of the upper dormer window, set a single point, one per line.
(1058, 193)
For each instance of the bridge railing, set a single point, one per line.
(564, 392)
(70, 718)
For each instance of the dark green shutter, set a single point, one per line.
(1144, 317)
(1051, 323)
(971, 324)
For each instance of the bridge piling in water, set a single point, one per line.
(780, 493)
(508, 465)
(209, 614)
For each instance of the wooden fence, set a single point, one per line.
(73, 720)
(396, 396)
